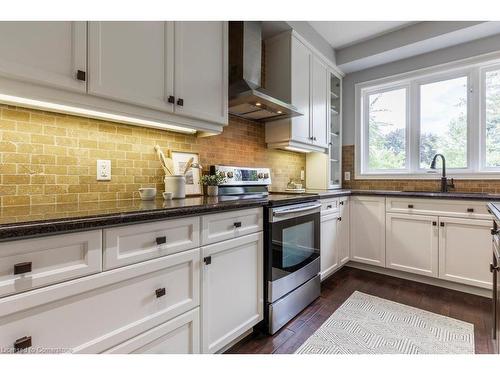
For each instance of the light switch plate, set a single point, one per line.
(347, 176)
(103, 170)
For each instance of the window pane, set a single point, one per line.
(492, 85)
(443, 122)
(387, 130)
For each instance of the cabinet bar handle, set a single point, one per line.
(339, 219)
(237, 224)
(161, 240)
(410, 206)
(207, 260)
(470, 210)
(180, 102)
(22, 343)
(160, 292)
(329, 206)
(342, 203)
(21, 268)
(434, 223)
(442, 224)
(171, 99)
(81, 75)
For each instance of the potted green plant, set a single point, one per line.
(212, 181)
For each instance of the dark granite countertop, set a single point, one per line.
(38, 220)
(495, 209)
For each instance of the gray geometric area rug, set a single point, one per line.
(366, 324)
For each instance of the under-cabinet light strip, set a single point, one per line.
(38, 104)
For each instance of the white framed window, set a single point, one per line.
(454, 110)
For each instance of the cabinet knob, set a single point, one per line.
(207, 260)
(342, 203)
(180, 102)
(470, 210)
(314, 138)
(22, 343)
(441, 224)
(434, 223)
(339, 219)
(171, 99)
(81, 75)
(160, 292)
(410, 206)
(237, 224)
(21, 268)
(161, 240)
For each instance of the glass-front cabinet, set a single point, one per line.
(324, 171)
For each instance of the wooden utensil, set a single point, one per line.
(189, 164)
(166, 163)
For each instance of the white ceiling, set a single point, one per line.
(343, 33)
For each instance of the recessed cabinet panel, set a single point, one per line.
(412, 243)
(47, 53)
(329, 245)
(132, 61)
(232, 290)
(343, 231)
(368, 230)
(201, 70)
(301, 86)
(319, 102)
(465, 251)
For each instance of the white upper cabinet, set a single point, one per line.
(297, 74)
(131, 62)
(367, 235)
(320, 78)
(201, 70)
(300, 98)
(46, 53)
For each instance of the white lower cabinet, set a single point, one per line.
(232, 290)
(343, 231)
(95, 313)
(367, 235)
(329, 245)
(465, 251)
(180, 335)
(412, 243)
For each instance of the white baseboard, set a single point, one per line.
(423, 279)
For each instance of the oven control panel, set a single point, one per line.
(243, 175)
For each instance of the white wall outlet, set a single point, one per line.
(302, 175)
(347, 176)
(103, 170)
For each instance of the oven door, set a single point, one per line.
(294, 249)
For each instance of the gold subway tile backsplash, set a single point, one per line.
(51, 158)
(348, 163)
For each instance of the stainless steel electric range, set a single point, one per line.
(292, 243)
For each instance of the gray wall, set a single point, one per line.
(461, 51)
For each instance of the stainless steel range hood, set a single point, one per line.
(246, 98)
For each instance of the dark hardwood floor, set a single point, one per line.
(337, 288)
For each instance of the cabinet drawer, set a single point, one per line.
(227, 225)
(95, 313)
(33, 263)
(438, 207)
(329, 206)
(136, 243)
(180, 335)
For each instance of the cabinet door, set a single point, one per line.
(132, 62)
(201, 70)
(465, 251)
(232, 289)
(319, 102)
(368, 230)
(301, 98)
(47, 53)
(412, 243)
(343, 231)
(329, 245)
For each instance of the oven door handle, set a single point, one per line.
(301, 209)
